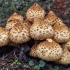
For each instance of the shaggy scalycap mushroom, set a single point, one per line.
(16, 16)
(35, 11)
(61, 33)
(19, 34)
(49, 50)
(33, 50)
(65, 58)
(40, 30)
(11, 23)
(67, 44)
(58, 21)
(50, 18)
(4, 37)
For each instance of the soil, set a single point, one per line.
(9, 53)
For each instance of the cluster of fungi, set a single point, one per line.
(51, 35)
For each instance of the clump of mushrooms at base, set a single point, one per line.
(51, 34)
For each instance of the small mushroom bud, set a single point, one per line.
(16, 16)
(33, 50)
(4, 37)
(61, 33)
(65, 58)
(35, 11)
(50, 18)
(19, 34)
(49, 50)
(40, 30)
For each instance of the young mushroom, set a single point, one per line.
(50, 18)
(35, 11)
(33, 50)
(11, 23)
(65, 58)
(16, 16)
(40, 30)
(19, 34)
(67, 44)
(4, 37)
(49, 50)
(61, 33)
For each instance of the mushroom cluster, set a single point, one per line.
(52, 35)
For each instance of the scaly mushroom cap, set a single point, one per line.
(65, 58)
(33, 50)
(19, 34)
(11, 23)
(35, 11)
(49, 50)
(4, 37)
(50, 18)
(67, 44)
(16, 16)
(27, 23)
(61, 33)
(40, 30)
(58, 21)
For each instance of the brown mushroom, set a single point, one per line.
(35, 11)
(67, 44)
(50, 18)
(65, 58)
(16, 16)
(33, 50)
(61, 33)
(49, 50)
(40, 30)
(11, 23)
(4, 37)
(19, 34)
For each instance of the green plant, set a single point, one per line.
(41, 63)
(16, 62)
(56, 68)
(26, 66)
(31, 63)
(37, 67)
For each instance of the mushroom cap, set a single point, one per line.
(35, 11)
(19, 34)
(49, 50)
(4, 37)
(61, 33)
(40, 30)
(11, 23)
(16, 16)
(65, 58)
(50, 18)
(58, 21)
(33, 50)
